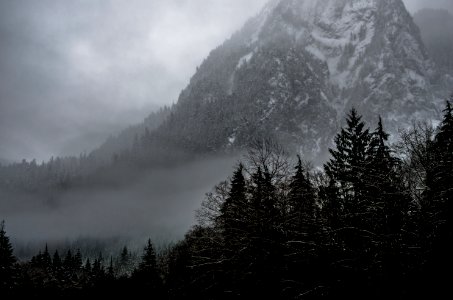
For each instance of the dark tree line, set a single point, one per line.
(70, 274)
(376, 222)
(364, 227)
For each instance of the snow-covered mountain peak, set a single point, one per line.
(297, 67)
(339, 32)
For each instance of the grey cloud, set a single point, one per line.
(72, 72)
(414, 5)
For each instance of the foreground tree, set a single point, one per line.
(436, 209)
(348, 167)
(7, 260)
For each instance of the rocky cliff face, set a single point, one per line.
(295, 69)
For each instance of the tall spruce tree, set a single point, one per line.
(347, 172)
(302, 197)
(232, 210)
(436, 208)
(348, 166)
(7, 260)
(443, 178)
(304, 236)
(387, 217)
(149, 262)
(234, 219)
(388, 201)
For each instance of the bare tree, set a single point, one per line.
(415, 152)
(211, 205)
(270, 156)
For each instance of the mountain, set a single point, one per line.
(436, 26)
(293, 71)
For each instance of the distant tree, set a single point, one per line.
(87, 267)
(147, 274)
(149, 262)
(46, 259)
(98, 270)
(111, 270)
(124, 263)
(56, 261)
(7, 260)
(77, 260)
(68, 262)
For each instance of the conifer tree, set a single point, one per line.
(443, 175)
(440, 193)
(87, 268)
(388, 202)
(304, 238)
(347, 171)
(111, 270)
(77, 260)
(7, 260)
(302, 198)
(232, 210)
(147, 273)
(56, 261)
(68, 261)
(348, 166)
(233, 221)
(98, 271)
(264, 236)
(46, 259)
(124, 267)
(148, 263)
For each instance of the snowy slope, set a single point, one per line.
(294, 70)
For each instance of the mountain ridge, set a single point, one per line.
(315, 56)
(290, 74)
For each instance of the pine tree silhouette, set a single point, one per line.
(7, 260)
(147, 274)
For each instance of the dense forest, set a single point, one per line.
(374, 222)
(129, 148)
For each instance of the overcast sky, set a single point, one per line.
(74, 71)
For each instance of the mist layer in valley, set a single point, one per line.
(159, 204)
